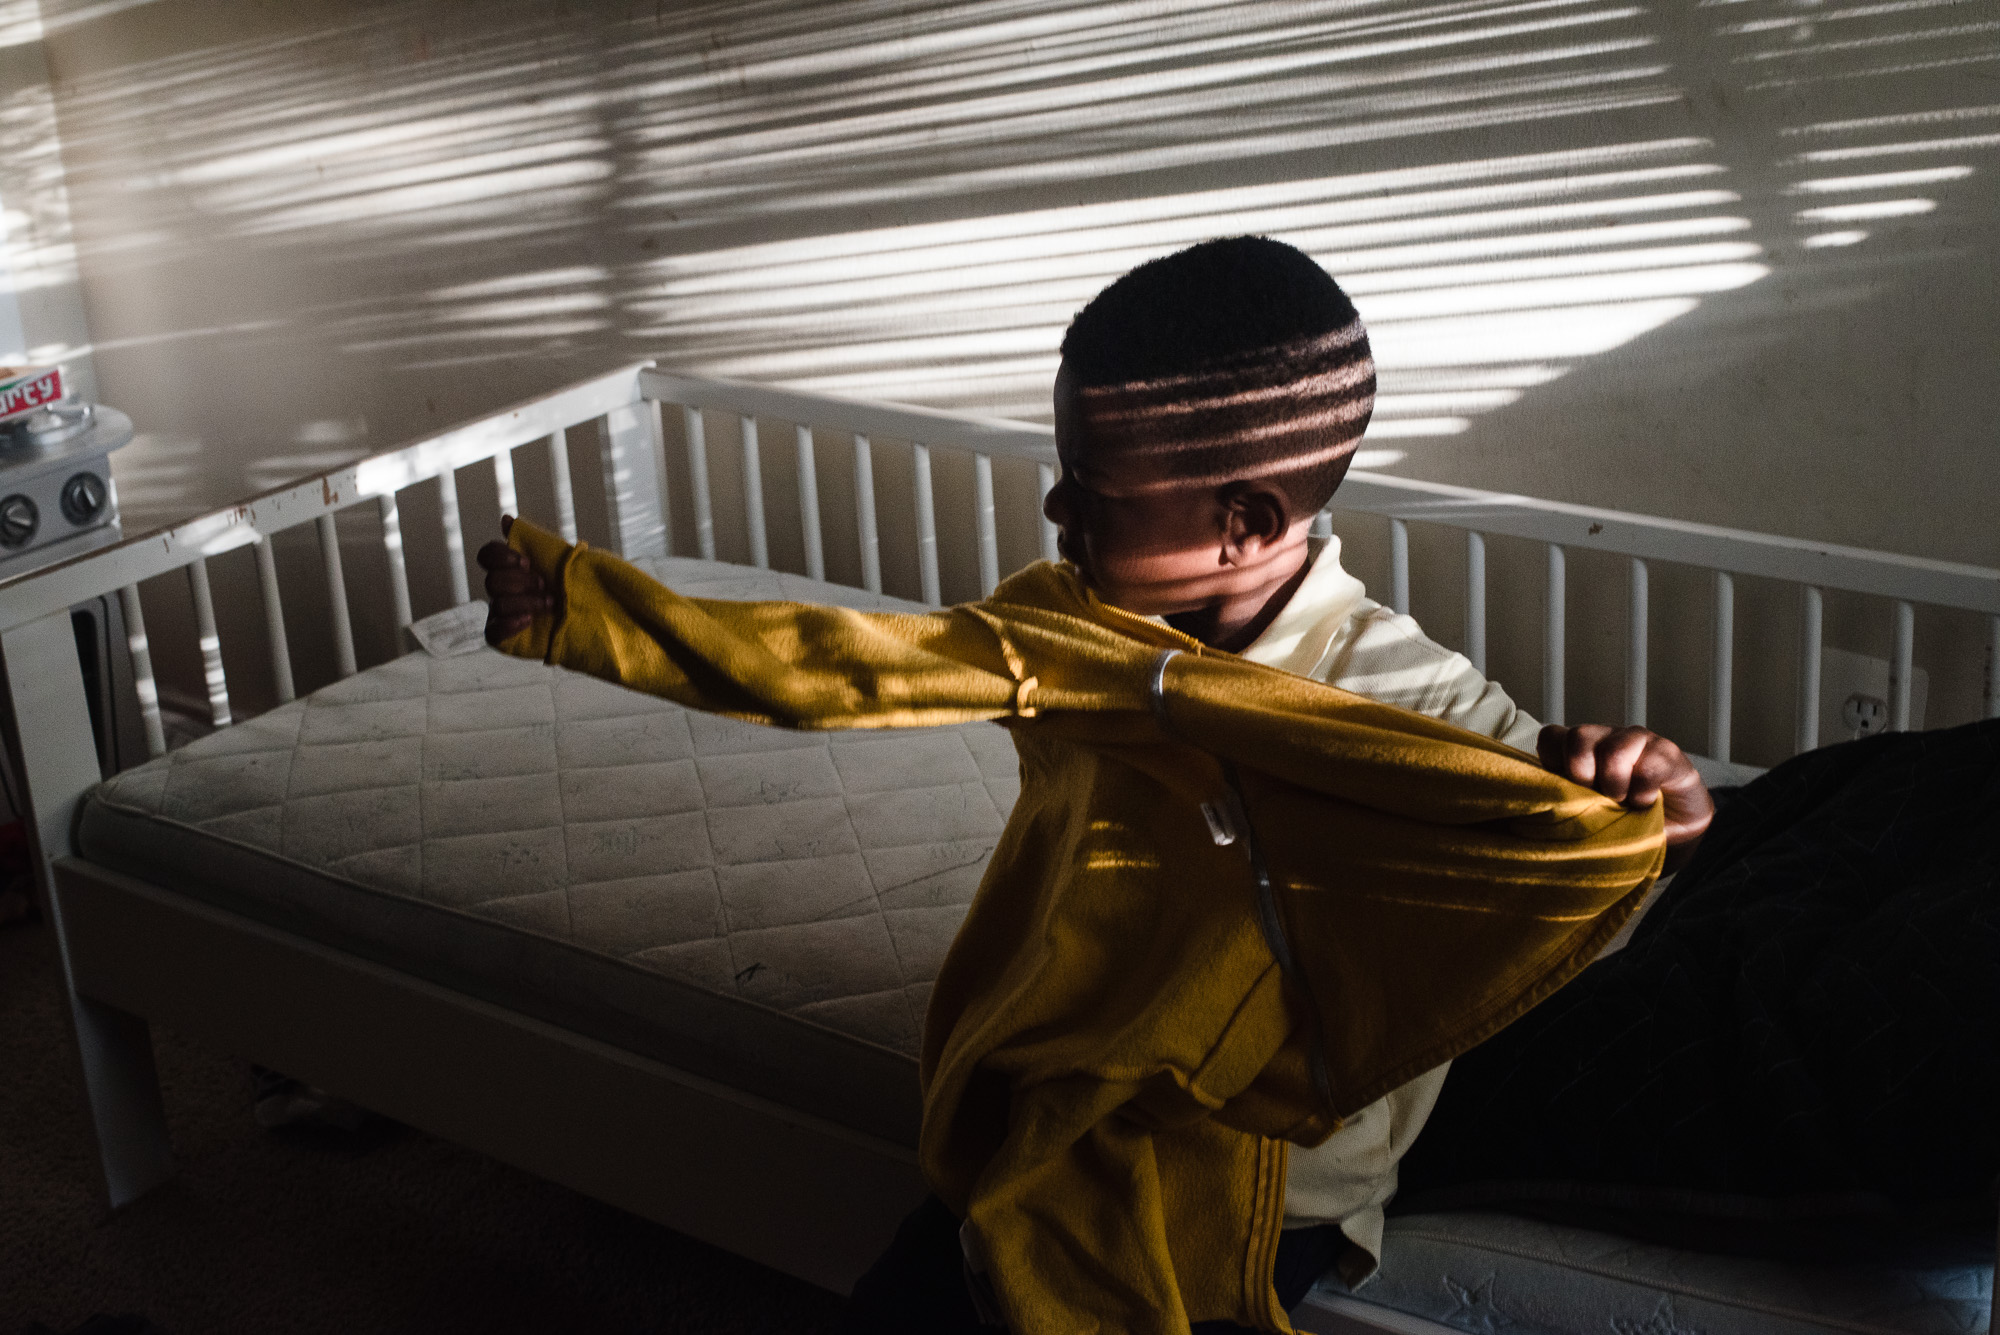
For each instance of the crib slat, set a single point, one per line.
(1045, 474)
(696, 429)
(1475, 599)
(864, 515)
(503, 482)
(392, 550)
(809, 505)
(454, 540)
(927, 551)
(274, 618)
(1900, 673)
(1399, 566)
(1555, 637)
(558, 446)
(1722, 670)
(1812, 614)
(984, 525)
(336, 584)
(211, 643)
(143, 684)
(1638, 649)
(653, 426)
(753, 496)
(635, 492)
(1993, 667)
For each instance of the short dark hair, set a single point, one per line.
(1245, 337)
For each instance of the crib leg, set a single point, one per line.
(49, 723)
(122, 1088)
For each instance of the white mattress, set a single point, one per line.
(1480, 1271)
(564, 846)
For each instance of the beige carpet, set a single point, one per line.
(260, 1235)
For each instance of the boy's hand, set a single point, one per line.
(1634, 766)
(515, 594)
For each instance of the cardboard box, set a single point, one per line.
(28, 390)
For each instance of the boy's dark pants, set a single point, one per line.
(918, 1287)
(1806, 1026)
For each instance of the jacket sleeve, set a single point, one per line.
(794, 665)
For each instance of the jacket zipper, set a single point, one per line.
(1232, 825)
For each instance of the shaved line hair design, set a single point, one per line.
(1233, 360)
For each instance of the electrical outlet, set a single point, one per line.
(1854, 695)
(1864, 714)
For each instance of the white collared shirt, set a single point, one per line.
(1333, 632)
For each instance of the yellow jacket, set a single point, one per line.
(1136, 1017)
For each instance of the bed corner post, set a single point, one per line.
(631, 448)
(57, 754)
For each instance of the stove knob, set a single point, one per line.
(83, 498)
(18, 521)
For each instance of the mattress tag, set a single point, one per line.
(455, 631)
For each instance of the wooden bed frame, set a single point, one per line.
(782, 1187)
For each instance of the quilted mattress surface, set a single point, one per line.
(760, 906)
(1486, 1272)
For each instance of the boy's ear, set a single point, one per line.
(1258, 515)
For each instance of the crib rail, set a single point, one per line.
(626, 405)
(921, 428)
(628, 441)
(1906, 581)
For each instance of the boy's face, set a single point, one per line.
(1146, 543)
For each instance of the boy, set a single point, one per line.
(1207, 407)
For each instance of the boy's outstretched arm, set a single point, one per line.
(791, 664)
(1634, 766)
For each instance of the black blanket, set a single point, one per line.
(1806, 1024)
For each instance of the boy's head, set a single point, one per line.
(1207, 407)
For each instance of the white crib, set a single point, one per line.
(785, 1187)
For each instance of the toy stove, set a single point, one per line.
(57, 501)
(56, 497)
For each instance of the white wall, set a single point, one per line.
(1592, 238)
(41, 306)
